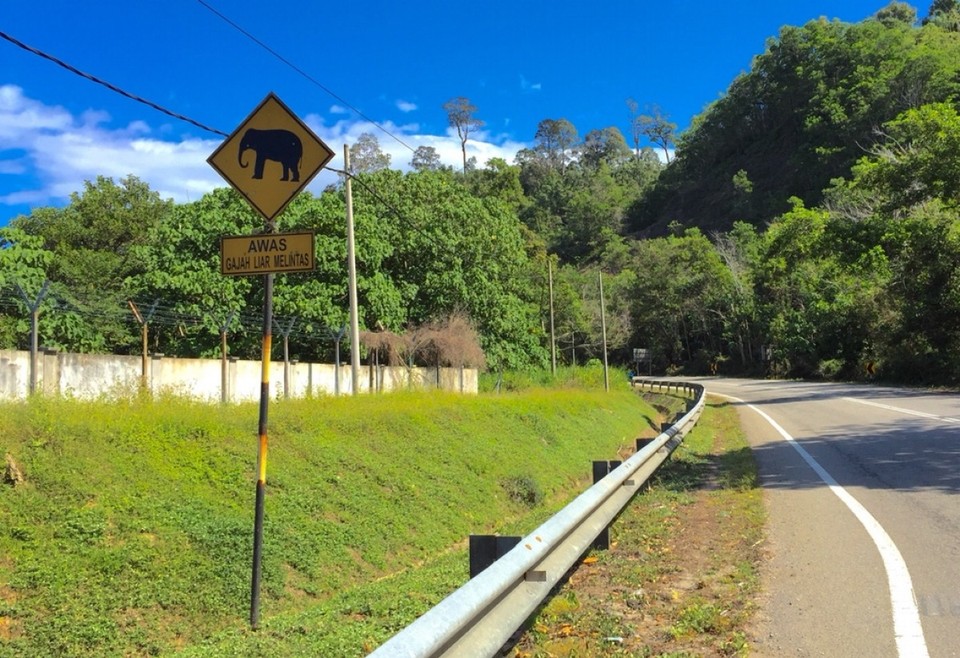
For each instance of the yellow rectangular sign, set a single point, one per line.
(266, 253)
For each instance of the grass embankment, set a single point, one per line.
(131, 533)
(680, 579)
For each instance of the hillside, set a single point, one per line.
(813, 103)
(131, 532)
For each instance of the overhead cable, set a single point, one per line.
(111, 87)
(301, 71)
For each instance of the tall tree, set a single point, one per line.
(680, 297)
(897, 13)
(945, 13)
(366, 156)
(425, 158)
(605, 146)
(460, 115)
(636, 131)
(498, 180)
(658, 128)
(556, 140)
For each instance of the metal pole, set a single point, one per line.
(223, 365)
(286, 365)
(34, 307)
(553, 340)
(262, 454)
(144, 321)
(223, 358)
(352, 279)
(336, 366)
(603, 331)
(144, 339)
(34, 347)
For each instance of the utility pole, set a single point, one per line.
(352, 281)
(553, 338)
(603, 331)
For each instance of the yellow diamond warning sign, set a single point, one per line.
(270, 157)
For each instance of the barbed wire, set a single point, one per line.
(169, 317)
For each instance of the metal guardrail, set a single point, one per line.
(479, 618)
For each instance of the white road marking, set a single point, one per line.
(906, 616)
(911, 412)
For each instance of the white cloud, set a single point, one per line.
(46, 153)
(337, 109)
(480, 145)
(406, 106)
(526, 85)
(20, 115)
(57, 152)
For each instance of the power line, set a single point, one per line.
(301, 71)
(111, 87)
(383, 201)
(181, 117)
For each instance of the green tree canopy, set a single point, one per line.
(801, 116)
(94, 240)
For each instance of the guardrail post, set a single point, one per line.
(487, 549)
(600, 471)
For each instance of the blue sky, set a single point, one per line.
(518, 61)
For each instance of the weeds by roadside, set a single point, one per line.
(680, 578)
(130, 533)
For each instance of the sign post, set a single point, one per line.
(285, 156)
(641, 354)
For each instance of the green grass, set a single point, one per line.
(586, 377)
(132, 535)
(682, 576)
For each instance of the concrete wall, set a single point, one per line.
(89, 376)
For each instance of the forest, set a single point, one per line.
(807, 224)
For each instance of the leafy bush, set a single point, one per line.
(523, 489)
(589, 377)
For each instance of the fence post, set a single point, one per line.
(600, 471)
(487, 549)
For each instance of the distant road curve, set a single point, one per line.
(861, 485)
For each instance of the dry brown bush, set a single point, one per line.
(451, 341)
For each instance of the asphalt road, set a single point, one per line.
(861, 485)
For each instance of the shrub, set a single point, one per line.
(523, 489)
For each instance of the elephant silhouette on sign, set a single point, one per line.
(280, 146)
